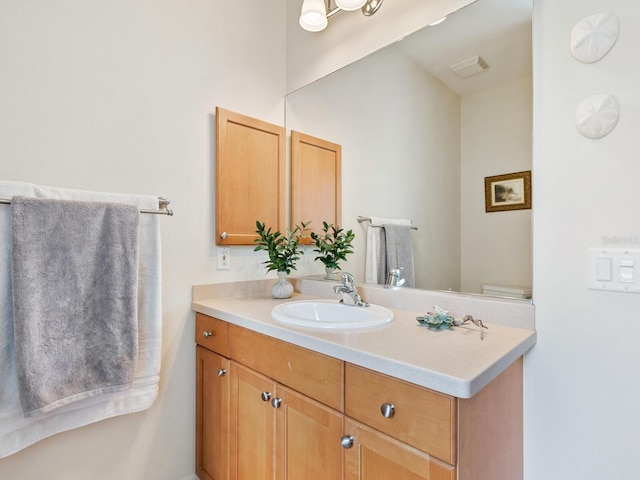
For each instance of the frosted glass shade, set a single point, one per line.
(349, 5)
(313, 16)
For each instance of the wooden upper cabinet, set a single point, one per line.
(250, 177)
(315, 181)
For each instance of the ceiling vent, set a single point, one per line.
(470, 66)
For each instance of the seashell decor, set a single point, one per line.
(596, 116)
(593, 37)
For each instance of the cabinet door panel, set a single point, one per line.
(375, 456)
(308, 440)
(253, 423)
(212, 416)
(250, 177)
(315, 181)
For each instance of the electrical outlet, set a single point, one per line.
(224, 258)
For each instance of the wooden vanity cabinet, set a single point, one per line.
(269, 409)
(293, 416)
(212, 398)
(264, 428)
(398, 429)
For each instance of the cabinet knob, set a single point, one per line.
(222, 372)
(387, 410)
(208, 334)
(346, 441)
(224, 235)
(275, 402)
(265, 396)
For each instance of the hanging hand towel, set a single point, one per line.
(399, 249)
(16, 430)
(74, 277)
(376, 256)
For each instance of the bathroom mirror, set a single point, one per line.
(418, 140)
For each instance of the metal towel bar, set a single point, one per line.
(163, 206)
(368, 219)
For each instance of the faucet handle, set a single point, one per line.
(347, 279)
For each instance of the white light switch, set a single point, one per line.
(626, 271)
(603, 269)
(614, 269)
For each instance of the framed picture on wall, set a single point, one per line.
(511, 191)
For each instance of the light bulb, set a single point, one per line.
(313, 16)
(349, 5)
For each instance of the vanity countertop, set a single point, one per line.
(455, 362)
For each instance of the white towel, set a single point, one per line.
(375, 260)
(18, 432)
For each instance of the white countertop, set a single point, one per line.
(456, 361)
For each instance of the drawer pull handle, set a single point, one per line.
(208, 334)
(224, 235)
(275, 402)
(222, 372)
(346, 441)
(265, 396)
(387, 410)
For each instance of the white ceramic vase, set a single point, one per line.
(282, 288)
(329, 273)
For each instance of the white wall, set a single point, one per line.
(119, 96)
(496, 128)
(581, 379)
(399, 128)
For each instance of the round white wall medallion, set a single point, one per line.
(593, 37)
(596, 116)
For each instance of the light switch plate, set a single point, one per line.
(614, 270)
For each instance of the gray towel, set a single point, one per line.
(74, 279)
(399, 248)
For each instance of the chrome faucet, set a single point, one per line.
(349, 291)
(394, 279)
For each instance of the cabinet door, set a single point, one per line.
(212, 415)
(253, 425)
(308, 438)
(375, 456)
(250, 177)
(315, 181)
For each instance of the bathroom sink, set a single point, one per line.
(330, 315)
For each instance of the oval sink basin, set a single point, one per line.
(330, 314)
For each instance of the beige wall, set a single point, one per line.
(119, 96)
(581, 379)
(496, 131)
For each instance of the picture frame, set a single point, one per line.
(511, 191)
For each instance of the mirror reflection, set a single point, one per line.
(418, 140)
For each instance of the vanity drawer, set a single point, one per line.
(212, 334)
(421, 417)
(310, 373)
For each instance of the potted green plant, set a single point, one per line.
(332, 246)
(283, 251)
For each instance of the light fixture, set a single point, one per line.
(313, 16)
(350, 5)
(315, 13)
